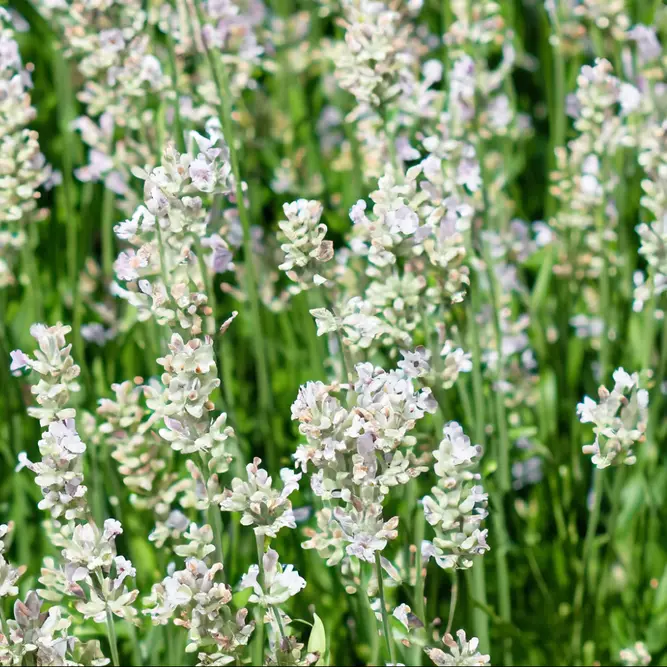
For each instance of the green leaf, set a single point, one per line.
(633, 495)
(317, 642)
(541, 288)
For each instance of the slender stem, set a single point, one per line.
(220, 79)
(501, 413)
(385, 616)
(420, 582)
(557, 119)
(111, 630)
(3, 623)
(591, 530)
(180, 138)
(605, 351)
(346, 360)
(28, 252)
(480, 618)
(502, 572)
(66, 114)
(452, 602)
(479, 615)
(107, 233)
(213, 513)
(276, 614)
(656, 400)
(371, 620)
(420, 571)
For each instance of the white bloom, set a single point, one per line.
(280, 582)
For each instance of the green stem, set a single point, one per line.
(452, 602)
(213, 513)
(371, 621)
(3, 623)
(502, 572)
(66, 114)
(557, 119)
(605, 350)
(385, 615)
(479, 615)
(180, 138)
(107, 233)
(501, 413)
(28, 252)
(591, 530)
(111, 630)
(420, 582)
(220, 79)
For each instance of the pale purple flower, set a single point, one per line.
(20, 362)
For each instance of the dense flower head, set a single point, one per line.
(619, 418)
(42, 638)
(123, 426)
(265, 508)
(459, 652)
(582, 180)
(9, 574)
(371, 61)
(236, 28)
(653, 234)
(304, 244)
(637, 654)
(54, 363)
(23, 168)
(359, 453)
(162, 274)
(197, 600)
(278, 585)
(59, 474)
(93, 573)
(113, 55)
(457, 506)
(424, 213)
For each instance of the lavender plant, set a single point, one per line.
(339, 290)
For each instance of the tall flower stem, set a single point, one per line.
(605, 349)
(111, 630)
(452, 602)
(3, 623)
(107, 233)
(66, 114)
(173, 67)
(591, 529)
(220, 79)
(213, 514)
(479, 615)
(420, 582)
(385, 616)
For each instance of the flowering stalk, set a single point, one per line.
(219, 74)
(620, 422)
(383, 606)
(88, 553)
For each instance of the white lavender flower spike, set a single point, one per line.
(619, 418)
(460, 652)
(458, 504)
